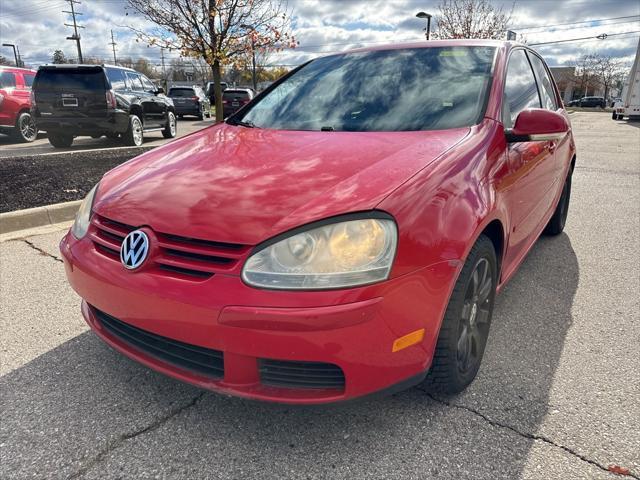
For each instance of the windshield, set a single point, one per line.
(70, 79)
(389, 90)
(182, 92)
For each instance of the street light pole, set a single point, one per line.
(15, 55)
(428, 17)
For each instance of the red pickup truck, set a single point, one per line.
(15, 103)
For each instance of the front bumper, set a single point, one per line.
(353, 329)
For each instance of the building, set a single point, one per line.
(572, 85)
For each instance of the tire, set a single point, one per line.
(615, 116)
(25, 130)
(201, 114)
(171, 129)
(134, 135)
(60, 140)
(465, 326)
(559, 218)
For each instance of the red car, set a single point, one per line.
(344, 234)
(15, 103)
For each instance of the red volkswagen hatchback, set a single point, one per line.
(345, 233)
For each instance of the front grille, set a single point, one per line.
(281, 373)
(204, 361)
(184, 257)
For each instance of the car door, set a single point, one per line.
(561, 148)
(158, 109)
(530, 164)
(142, 98)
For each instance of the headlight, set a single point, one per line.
(81, 225)
(343, 254)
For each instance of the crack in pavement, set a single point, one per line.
(117, 442)
(530, 436)
(42, 252)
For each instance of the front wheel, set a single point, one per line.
(60, 140)
(170, 130)
(465, 326)
(559, 218)
(134, 136)
(26, 129)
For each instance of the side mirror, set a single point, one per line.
(159, 91)
(536, 125)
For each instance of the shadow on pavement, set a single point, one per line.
(65, 407)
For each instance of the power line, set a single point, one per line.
(75, 26)
(572, 23)
(602, 36)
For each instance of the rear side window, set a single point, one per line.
(134, 82)
(7, 80)
(117, 78)
(28, 79)
(56, 80)
(234, 94)
(520, 90)
(181, 92)
(547, 93)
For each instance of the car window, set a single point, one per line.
(7, 80)
(181, 92)
(235, 94)
(404, 89)
(134, 82)
(117, 78)
(147, 84)
(28, 79)
(520, 90)
(545, 86)
(64, 79)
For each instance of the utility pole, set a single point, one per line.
(15, 55)
(75, 26)
(113, 46)
(164, 72)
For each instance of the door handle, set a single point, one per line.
(552, 146)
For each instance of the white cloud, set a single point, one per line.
(321, 26)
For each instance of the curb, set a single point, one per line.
(38, 216)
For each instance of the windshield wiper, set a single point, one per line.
(241, 123)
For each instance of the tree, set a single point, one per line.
(608, 70)
(58, 57)
(217, 31)
(5, 61)
(471, 19)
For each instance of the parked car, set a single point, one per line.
(97, 100)
(588, 102)
(209, 90)
(345, 234)
(234, 99)
(15, 103)
(190, 101)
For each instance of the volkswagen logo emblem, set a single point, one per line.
(134, 249)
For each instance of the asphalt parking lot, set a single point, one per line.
(9, 148)
(558, 395)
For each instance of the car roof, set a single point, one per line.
(19, 69)
(437, 43)
(85, 65)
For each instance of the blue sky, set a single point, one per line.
(37, 27)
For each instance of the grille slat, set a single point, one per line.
(178, 257)
(282, 373)
(183, 355)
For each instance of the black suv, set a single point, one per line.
(96, 100)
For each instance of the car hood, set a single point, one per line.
(243, 185)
